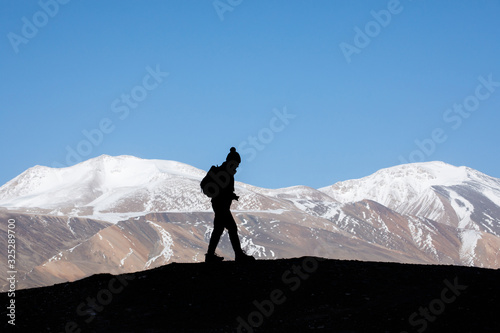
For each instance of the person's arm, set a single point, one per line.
(234, 196)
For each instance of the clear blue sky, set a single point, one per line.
(355, 102)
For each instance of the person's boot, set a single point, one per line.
(213, 257)
(243, 257)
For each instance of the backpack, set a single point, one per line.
(208, 184)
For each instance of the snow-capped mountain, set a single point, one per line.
(107, 187)
(124, 214)
(456, 196)
(116, 188)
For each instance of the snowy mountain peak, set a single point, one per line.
(132, 166)
(457, 196)
(399, 181)
(427, 173)
(80, 184)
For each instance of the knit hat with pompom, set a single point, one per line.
(233, 155)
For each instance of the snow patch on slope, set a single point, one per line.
(423, 240)
(469, 240)
(166, 241)
(462, 207)
(252, 249)
(122, 262)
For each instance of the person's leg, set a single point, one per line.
(233, 234)
(218, 229)
(214, 240)
(232, 229)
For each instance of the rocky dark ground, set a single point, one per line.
(288, 295)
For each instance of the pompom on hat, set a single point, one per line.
(233, 155)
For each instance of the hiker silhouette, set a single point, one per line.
(221, 204)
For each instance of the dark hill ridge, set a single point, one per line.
(287, 295)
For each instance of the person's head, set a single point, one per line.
(233, 159)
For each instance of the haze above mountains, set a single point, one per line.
(123, 214)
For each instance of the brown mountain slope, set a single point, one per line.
(40, 237)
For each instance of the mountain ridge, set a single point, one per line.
(148, 213)
(295, 294)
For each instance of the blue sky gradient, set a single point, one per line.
(271, 78)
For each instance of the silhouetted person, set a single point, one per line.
(221, 203)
